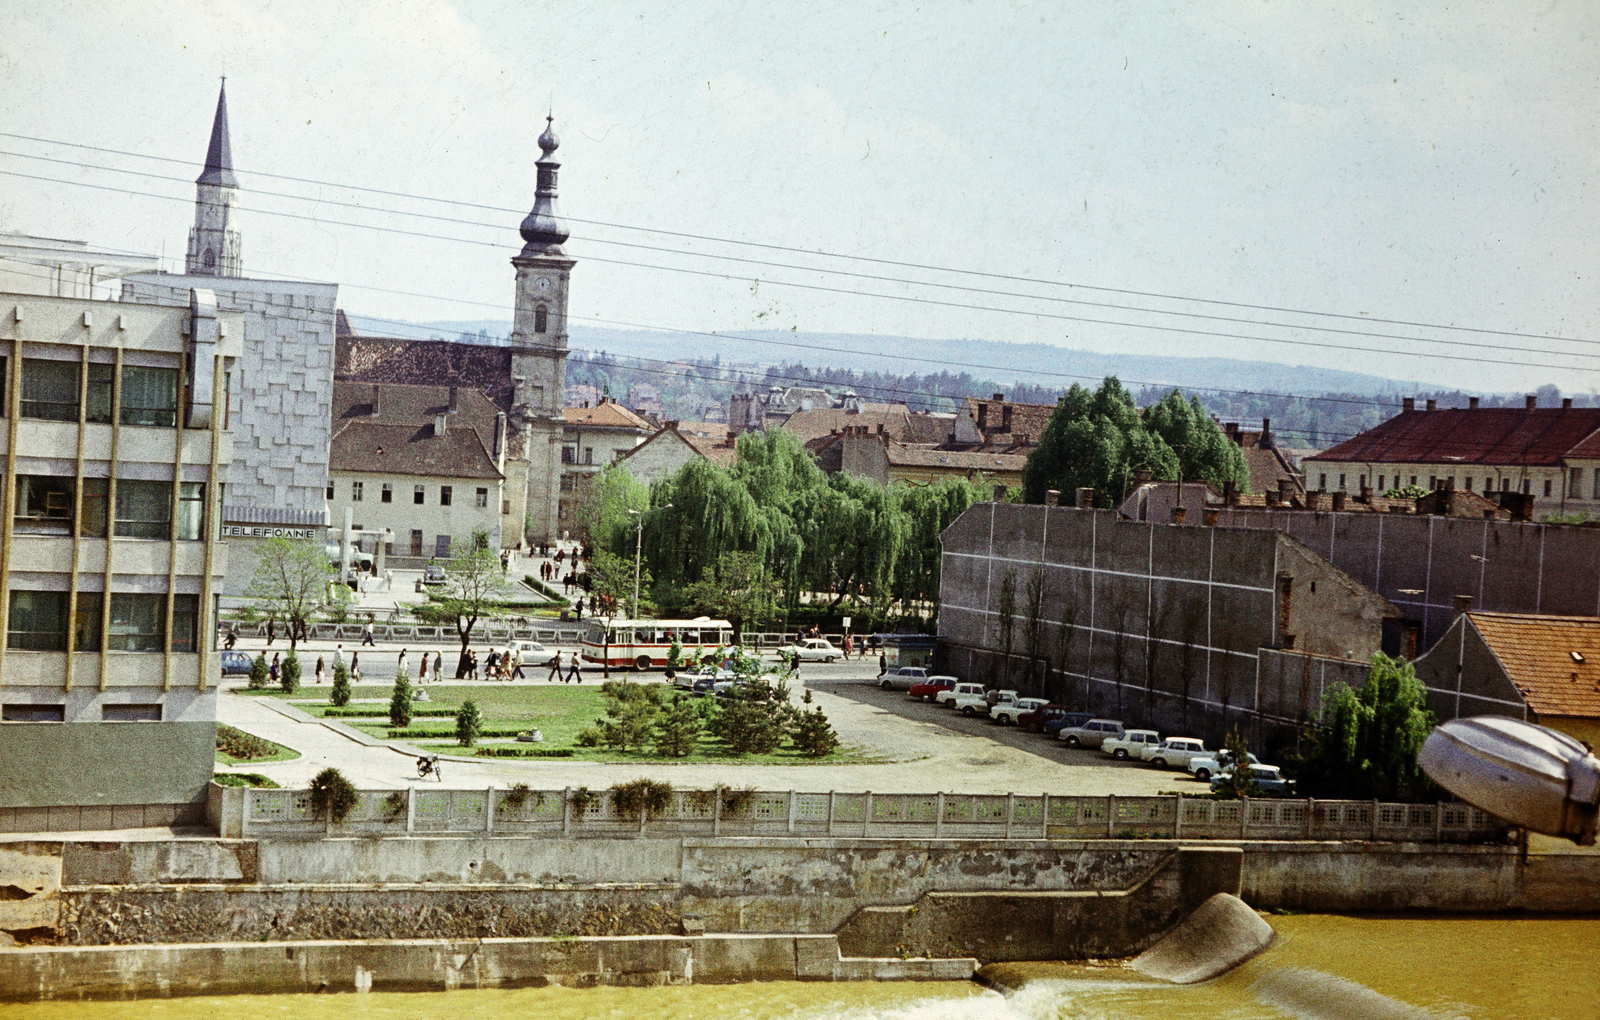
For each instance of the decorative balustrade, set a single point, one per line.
(492, 811)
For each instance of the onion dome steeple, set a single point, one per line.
(219, 155)
(542, 229)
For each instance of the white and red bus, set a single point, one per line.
(643, 644)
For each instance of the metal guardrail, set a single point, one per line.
(558, 813)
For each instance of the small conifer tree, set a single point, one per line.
(259, 672)
(289, 676)
(340, 695)
(469, 723)
(400, 702)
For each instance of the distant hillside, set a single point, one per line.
(1032, 364)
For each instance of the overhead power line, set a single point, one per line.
(1015, 278)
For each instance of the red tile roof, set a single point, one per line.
(1486, 435)
(1537, 655)
(608, 415)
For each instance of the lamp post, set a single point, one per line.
(638, 540)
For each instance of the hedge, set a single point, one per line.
(524, 752)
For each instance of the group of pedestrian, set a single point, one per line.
(574, 671)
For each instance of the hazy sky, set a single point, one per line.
(1365, 159)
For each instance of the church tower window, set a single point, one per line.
(541, 319)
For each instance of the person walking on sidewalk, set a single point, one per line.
(355, 667)
(516, 665)
(366, 635)
(576, 673)
(555, 669)
(272, 670)
(322, 667)
(233, 636)
(403, 667)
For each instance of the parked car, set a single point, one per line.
(926, 689)
(1055, 723)
(433, 573)
(812, 650)
(973, 703)
(236, 663)
(1090, 733)
(1268, 777)
(527, 648)
(1204, 766)
(948, 698)
(903, 678)
(1034, 721)
(1174, 752)
(1013, 711)
(1131, 744)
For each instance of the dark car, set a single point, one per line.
(236, 664)
(1053, 726)
(926, 689)
(1034, 722)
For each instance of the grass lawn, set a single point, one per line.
(558, 711)
(263, 750)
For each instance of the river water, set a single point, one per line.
(1321, 968)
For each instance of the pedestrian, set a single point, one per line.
(402, 663)
(272, 631)
(883, 664)
(491, 664)
(438, 665)
(233, 635)
(555, 669)
(338, 655)
(388, 580)
(516, 665)
(849, 646)
(576, 672)
(422, 669)
(366, 635)
(355, 666)
(322, 667)
(272, 670)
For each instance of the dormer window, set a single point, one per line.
(541, 319)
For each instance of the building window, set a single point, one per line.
(137, 622)
(1363, 485)
(86, 623)
(482, 497)
(416, 541)
(1466, 483)
(541, 319)
(1547, 486)
(441, 546)
(49, 389)
(185, 622)
(566, 483)
(330, 491)
(38, 621)
(144, 509)
(1380, 484)
(1527, 487)
(386, 494)
(588, 455)
(1597, 483)
(444, 495)
(130, 713)
(355, 492)
(44, 505)
(1322, 482)
(568, 455)
(1341, 483)
(1413, 479)
(1433, 482)
(480, 541)
(191, 511)
(1575, 487)
(149, 396)
(505, 507)
(417, 495)
(97, 401)
(33, 713)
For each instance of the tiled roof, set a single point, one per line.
(1485, 435)
(1269, 467)
(367, 448)
(717, 451)
(903, 455)
(608, 415)
(480, 367)
(1026, 419)
(822, 421)
(1537, 655)
(410, 405)
(930, 427)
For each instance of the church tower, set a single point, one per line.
(214, 238)
(539, 344)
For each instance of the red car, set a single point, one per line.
(1034, 721)
(926, 690)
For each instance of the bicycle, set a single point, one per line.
(428, 765)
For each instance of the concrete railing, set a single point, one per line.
(417, 811)
(416, 635)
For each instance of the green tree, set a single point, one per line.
(260, 672)
(675, 652)
(751, 721)
(737, 590)
(1407, 492)
(332, 795)
(1204, 452)
(340, 695)
(611, 576)
(289, 675)
(811, 733)
(400, 701)
(1096, 440)
(678, 728)
(469, 723)
(1239, 781)
(630, 714)
(291, 582)
(475, 588)
(601, 509)
(1367, 743)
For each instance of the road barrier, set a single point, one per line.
(581, 812)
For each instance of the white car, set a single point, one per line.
(1009, 711)
(1131, 744)
(1091, 734)
(813, 650)
(1174, 752)
(948, 698)
(527, 648)
(1205, 766)
(902, 678)
(973, 704)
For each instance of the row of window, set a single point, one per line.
(144, 509)
(1449, 482)
(58, 713)
(40, 621)
(419, 494)
(57, 391)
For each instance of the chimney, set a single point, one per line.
(1210, 515)
(1142, 475)
(1463, 604)
(1052, 497)
(1431, 405)
(672, 425)
(983, 416)
(375, 411)
(455, 402)
(999, 493)
(1338, 500)
(1083, 498)
(880, 428)
(438, 424)
(1408, 404)
(1179, 515)
(999, 397)
(1532, 402)
(1566, 403)
(1314, 500)
(1285, 489)
(1005, 417)
(1472, 403)
(1273, 498)
(1266, 442)
(500, 439)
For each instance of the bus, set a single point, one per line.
(644, 644)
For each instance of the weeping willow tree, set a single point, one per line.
(1367, 743)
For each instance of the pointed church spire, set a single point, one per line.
(219, 156)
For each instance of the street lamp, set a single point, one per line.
(638, 540)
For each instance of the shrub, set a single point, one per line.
(332, 795)
(1239, 782)
(630, 711)
(518, 795)
(751, 722)
(400, 702)
(641, 797)
(582, 799)
(242, 746)
(340, 695)
(678, 727)
(469, 723)
(394, 805)
(675, 653)
(524, 752)
(588, 737)
(812, 735)
(251, 779)
(289, 676)
(259, 671)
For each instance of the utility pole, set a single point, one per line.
(638, 542)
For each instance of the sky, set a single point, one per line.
(1158, 168)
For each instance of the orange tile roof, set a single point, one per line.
(609, 415)
(1537, 655)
